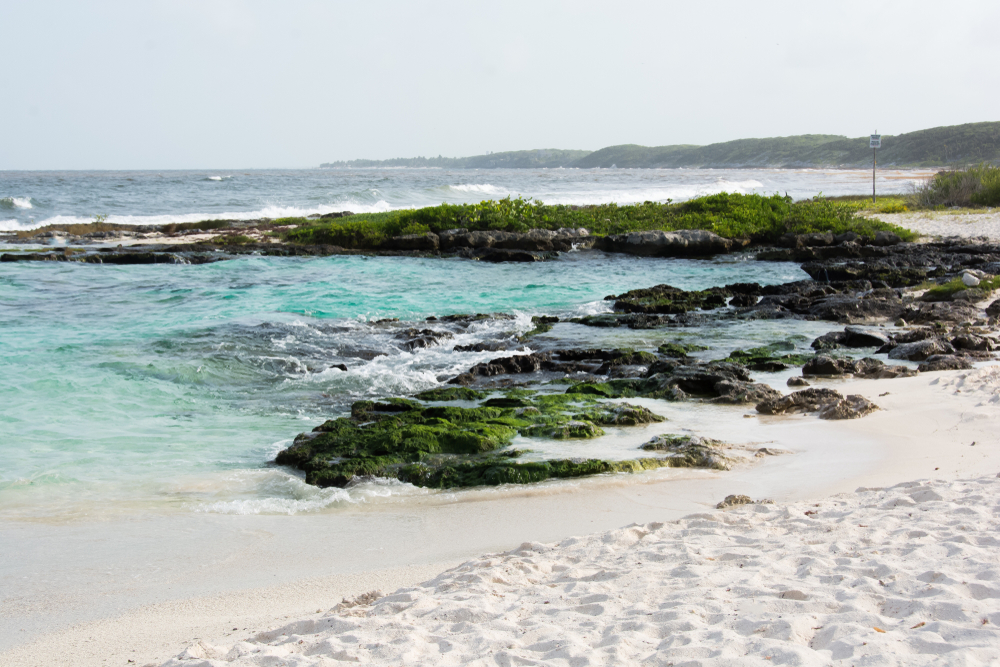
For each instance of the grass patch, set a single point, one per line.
(759, 218)
(948, 290)
(975, 186)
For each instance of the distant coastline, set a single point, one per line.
(950, 146)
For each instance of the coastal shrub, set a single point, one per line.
(758, 218)
(975, 186)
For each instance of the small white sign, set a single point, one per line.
(876, 141)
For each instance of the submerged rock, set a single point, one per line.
(690, 451)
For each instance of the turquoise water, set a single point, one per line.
(174, 385)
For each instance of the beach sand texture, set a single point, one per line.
(908, 575)
(943, 224)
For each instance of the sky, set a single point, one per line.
(223, 83)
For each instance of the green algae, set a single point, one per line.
(669, 300)
(679, 350)
(774, 357)
(451, 394)
(449, 446)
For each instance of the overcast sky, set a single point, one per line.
(222, 83)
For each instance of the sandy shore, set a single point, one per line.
(902, 576)
(145, 588)
(944, 224)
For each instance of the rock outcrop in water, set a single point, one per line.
(449, 446)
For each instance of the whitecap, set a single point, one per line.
(15, 202)
(479, 187)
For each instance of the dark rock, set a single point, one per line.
(806, 400)
(497, 255)
(682, 243)
(420, 338)
(993, 310)
(736, 392)
(921, 350)
(743, 300)
(831, 366)
(859, 337)
(886, 239)
(521, 363)
(852, 406)
(944, 362)
(941, 311)
(342, 367)
(829, 341)
(425, 242)
(666, 299)
(797, 382)
(733, 501)
(972, 342)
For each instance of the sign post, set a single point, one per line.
(874, 143)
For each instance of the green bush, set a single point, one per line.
(758, 218)
(975, 186)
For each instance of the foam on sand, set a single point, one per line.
(908, 575)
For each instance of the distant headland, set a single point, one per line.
(952, 146)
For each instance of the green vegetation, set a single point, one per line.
(231, 239)
(959, 145)
(975, 186)
(446, 446)
(948, 290)
(755, 217)
(679, 350)
(770, 358)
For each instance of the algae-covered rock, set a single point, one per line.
(679, 350)
(688, 451)
(451, 394)
(770, 358)
(666, 299)
(448, 446)
(619, 414)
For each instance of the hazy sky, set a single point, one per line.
(222, 83)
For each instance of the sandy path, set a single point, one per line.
(947, 223)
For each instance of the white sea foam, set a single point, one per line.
(265, 212)
(218, 178)
(276, 491)
(485, 188)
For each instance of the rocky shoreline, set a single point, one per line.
(463, 434)
(559, 392)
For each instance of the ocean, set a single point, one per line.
(170, 388)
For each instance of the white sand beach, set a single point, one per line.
(907, 575)
(177, 584)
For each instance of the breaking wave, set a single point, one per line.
(11, 203)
